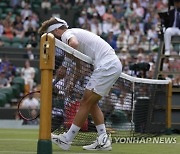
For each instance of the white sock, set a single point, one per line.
(101, 129)
(72, 132)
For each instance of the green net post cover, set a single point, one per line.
(44, 147)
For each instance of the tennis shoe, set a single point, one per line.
(102, 143)
(61, 141)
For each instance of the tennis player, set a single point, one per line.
(107, 69)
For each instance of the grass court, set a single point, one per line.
(24, 141)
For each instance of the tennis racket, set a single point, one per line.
(29, 106)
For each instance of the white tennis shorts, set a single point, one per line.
(103, 77)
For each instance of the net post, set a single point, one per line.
(168, 108)
(47, 62)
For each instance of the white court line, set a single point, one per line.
(17, 152)
(19, 132)
(9, 139)
(36, 140)
(32, 152)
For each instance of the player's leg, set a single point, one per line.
(89, 99)
(101, 82)
(98, 119)
(64, 140)
(97, 114)
(103, 142)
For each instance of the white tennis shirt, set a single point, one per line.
(91, 45)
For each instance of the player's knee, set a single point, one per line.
(94, 107)
(84, 101)
(89, 99)
(85, 105)
(87, 102)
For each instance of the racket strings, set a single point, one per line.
(29, 106)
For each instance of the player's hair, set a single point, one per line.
(48, 23)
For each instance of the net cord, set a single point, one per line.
(87, 59)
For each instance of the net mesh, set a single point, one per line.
(132, 108)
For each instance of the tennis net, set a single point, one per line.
(133, 107)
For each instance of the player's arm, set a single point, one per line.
(70, 39)
(73, 42)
